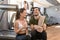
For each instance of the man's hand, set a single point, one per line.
(38, 28)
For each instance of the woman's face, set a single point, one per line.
(23, 14)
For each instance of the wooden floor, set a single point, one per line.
(53, 33)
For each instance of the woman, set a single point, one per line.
(20, 25)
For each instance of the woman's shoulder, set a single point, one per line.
(16, 21)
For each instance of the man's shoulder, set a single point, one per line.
(42, 17)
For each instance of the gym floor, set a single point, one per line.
(53, 32)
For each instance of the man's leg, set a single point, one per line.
(44, 35)
(38, 35)
(33, 34)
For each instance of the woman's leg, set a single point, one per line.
(22, 37)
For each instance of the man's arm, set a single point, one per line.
(44, 26)
(41, 23)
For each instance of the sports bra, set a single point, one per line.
(20, 26)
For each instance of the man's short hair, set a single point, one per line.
(35, 7)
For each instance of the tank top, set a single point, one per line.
(20, 26)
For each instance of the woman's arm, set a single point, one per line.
(16, 28)
(27, 31)
(26, 27)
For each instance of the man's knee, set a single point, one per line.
(33, 33)
(44, 35)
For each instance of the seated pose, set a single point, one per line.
(38, 26)
(20, 25)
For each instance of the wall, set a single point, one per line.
(4, 21)
(54, 11)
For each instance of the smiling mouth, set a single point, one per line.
(35, 15)
(25, 17)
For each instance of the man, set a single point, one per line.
(38, 26)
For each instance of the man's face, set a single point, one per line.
(36, 11)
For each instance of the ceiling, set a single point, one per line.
(54, 2)
(47, 3)
(43, 3)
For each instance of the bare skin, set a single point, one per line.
(38, 27)
(23, 22)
